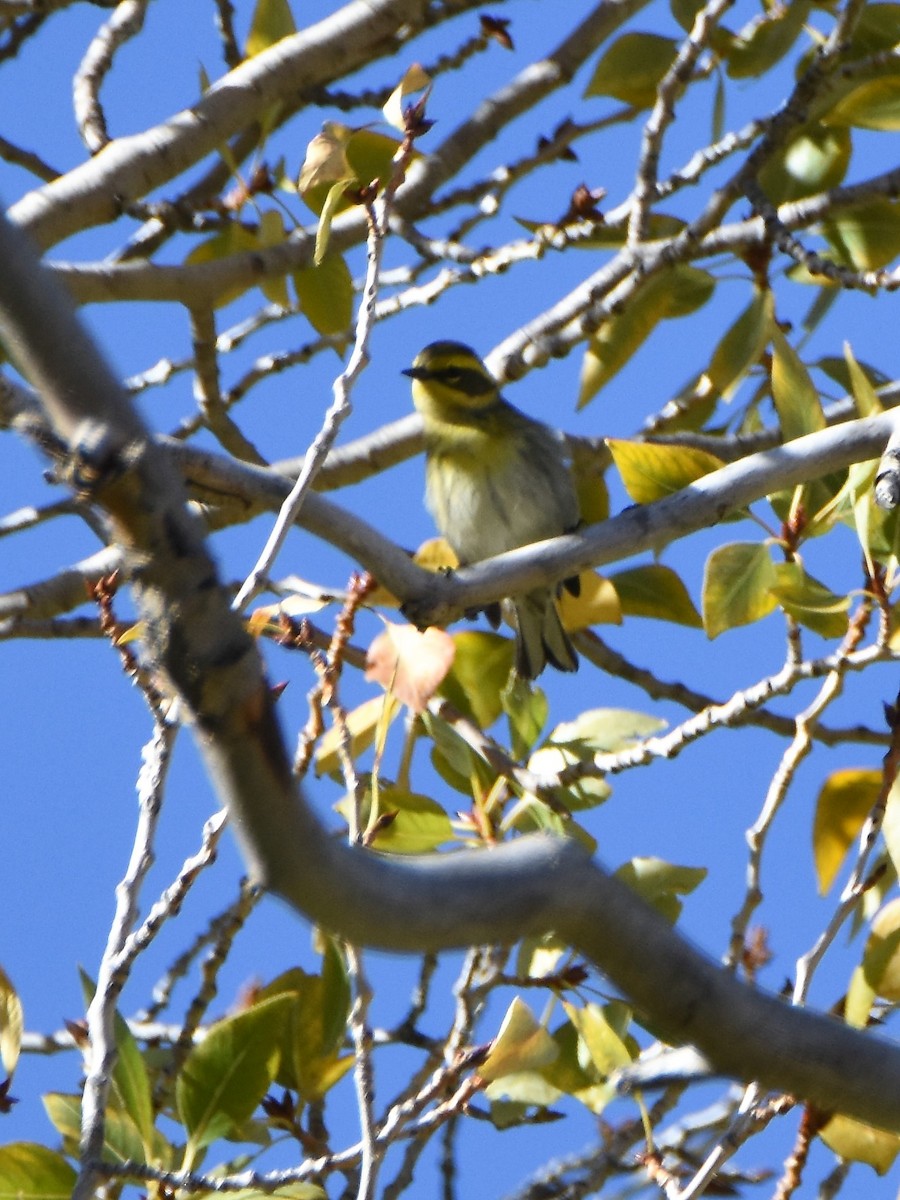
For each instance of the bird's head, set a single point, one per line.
(450, 376)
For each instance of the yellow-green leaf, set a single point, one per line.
(362, 724)
(737, 586)
(607, 1050)
(742, 345)
(521, 1044)
(809, 601)
(233, 239)
(861, 1143)
(604, 731)
(325, 294)
(873, 105)
(795, 395)
(632, 68)
(673, 293)
(526, 711)
(655, 591)
(842, 806)
(310, 1061)
(661, 883)
(595, 604)
(813, 161)
(368, 157)
(867, 402)
(881, 960)
(865, 236)
(765, 40)
(417, 824)
(271, 233)
(32, 1172)
(859, 1001)
(651, 470)
(228, 1073)
(478, 676)
(11, 1024)
(272, 20)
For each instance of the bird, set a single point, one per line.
(495, 480)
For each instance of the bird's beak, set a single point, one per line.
(416, 373)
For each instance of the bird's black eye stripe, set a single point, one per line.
(465, 379)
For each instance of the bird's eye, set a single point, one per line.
(452, 375)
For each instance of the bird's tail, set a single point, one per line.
(541, 638)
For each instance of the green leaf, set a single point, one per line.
(674, 293)
(131, 1084)
(228, 1073)
(737, 586)
(881, 959)
(813, 161)
(655, 591)
(743, 343)
(843, 804)
(865, 236)
(325, 294)
(809, 601)
(32, 1172)
(652, 470)
(795, 395)
(660, 883)
(11, 1024)
(272, 21)
(480, 671)
(455, 760)
(521, 1044)
(369, 156)
(632, 67)
(122, 1141)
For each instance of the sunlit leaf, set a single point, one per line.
(737, 586)
(873, 105)
(881, 960)
(661, 883)
(813, 161)
(362, 726)
(857, 1142)
(526, 709)
(271, 233)
(655, 590)
(843, 804)
(605, 730)
(766, 40)
(325, 294)
(416, 824)
(608, 1051)
(651, 470)
(742, 345)
(410, 663)
(865, 236)
(272, 20)
(795, 395)
(480, 671)
(674, 293)
(809, 601)
(521, 1044)
(234, 238)
(632, 67)
(867, 402)
(596, 603)
(310, 1061)
(859, 1001)
(11, 1024)
(414, 80)
(32, 1172)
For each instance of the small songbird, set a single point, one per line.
(496, 480)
